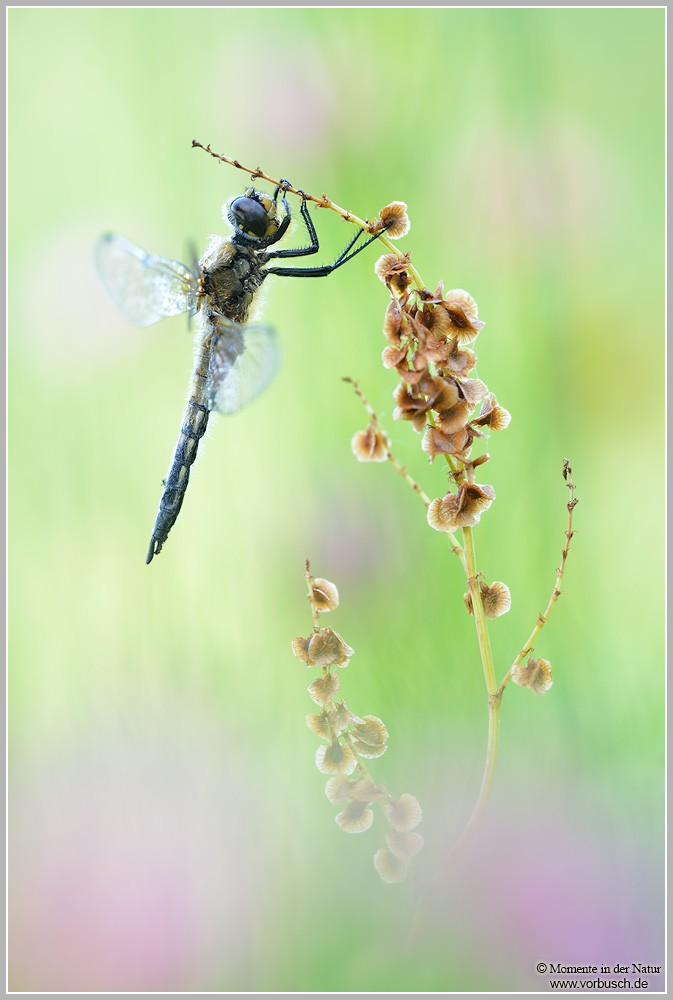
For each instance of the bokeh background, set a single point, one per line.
(168, 827)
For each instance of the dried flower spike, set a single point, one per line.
(350, 740)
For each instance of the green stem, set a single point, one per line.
(479, 614)
(410, 268)
(487, 779)
(494, 696)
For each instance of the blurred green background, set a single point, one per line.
(168, 827)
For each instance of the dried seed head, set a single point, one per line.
(371, 731)
(340, 717)
(338, 789)
(404, 845)
(326, 648)
(337, 758)
(364, 790)
(410, 405)
(323, 689)
(536, 675)
(492, 415)
(395, 217)
(391, 268)
(390, 868)
(342, 789)
(412, 376)
(496, 599)
(392, 357)
(370, 445)
(472, 390)
(366, 750)
(442, 393)
(404, 813)
(355, 818)
(437, 443)
(320, 725)
(461, 509)
(462, 313)
(454, 418)
(392, 324)
(460, 360)
(324, 595)
(300, 648)
(391, 264)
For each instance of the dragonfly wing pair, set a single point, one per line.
(234, 362)
(144, 287)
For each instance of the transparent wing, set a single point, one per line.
(243, 361)
(146, 288)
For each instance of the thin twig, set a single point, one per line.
(323, 202)
(556, 593)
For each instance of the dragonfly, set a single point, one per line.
(234, 358)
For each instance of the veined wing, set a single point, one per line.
(243, 361)
(146, 288)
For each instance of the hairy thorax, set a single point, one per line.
(231, 276)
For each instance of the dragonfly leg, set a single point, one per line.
(300, 251)
(318, 272)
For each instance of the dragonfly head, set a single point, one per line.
(254, 218)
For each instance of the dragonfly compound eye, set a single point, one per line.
(250, 216)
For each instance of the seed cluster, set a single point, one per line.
(427, 334)
(350, 740)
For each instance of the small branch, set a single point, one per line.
(403, 471)
(556, 593)
(309, 583)
(322, 202)
(494, 700)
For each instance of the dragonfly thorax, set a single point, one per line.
(230, 277)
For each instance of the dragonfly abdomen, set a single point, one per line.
(175, 485)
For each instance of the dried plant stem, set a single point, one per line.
(309, 584)
(403, 471)
(410, 267)
(494, 698)
(322, 202)
(486, 781)
(556, 592)
(455, 546)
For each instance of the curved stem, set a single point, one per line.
(487, 779)
(494, 699)
(479, 614)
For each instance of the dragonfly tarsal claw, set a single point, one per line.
(283, 186)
